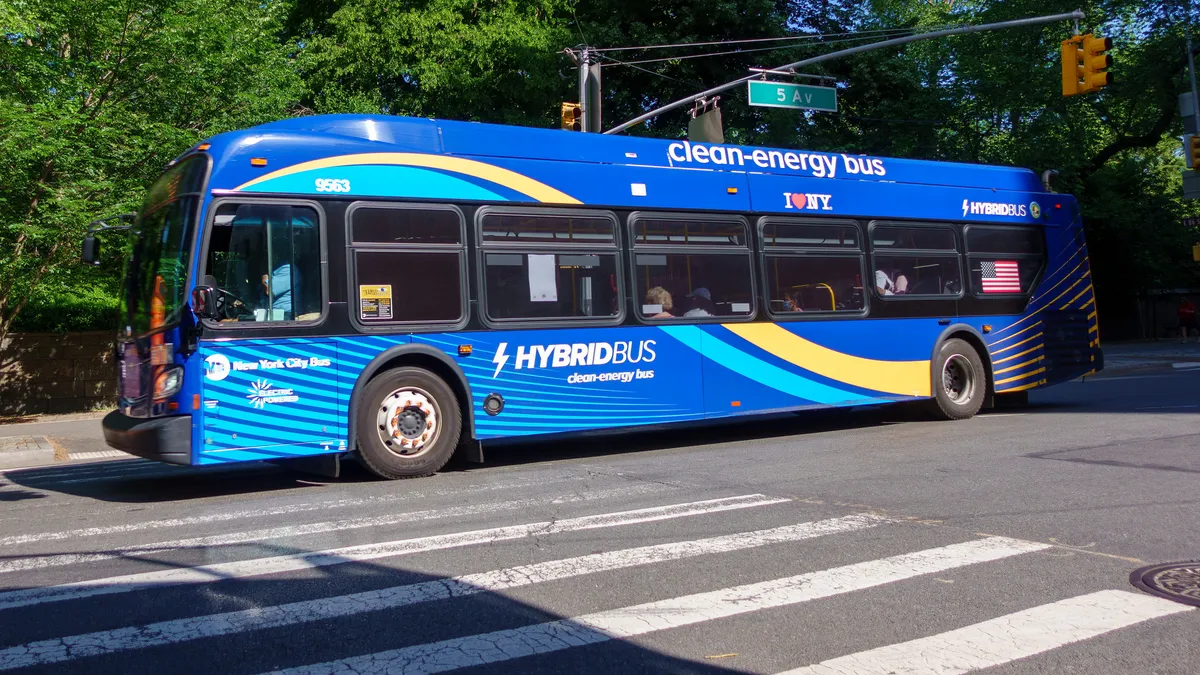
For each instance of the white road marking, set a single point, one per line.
(284, 509)
(1170, 407)
(313, 559)
(1186, 365)
(177, 631)
(31, 562)
(97, 454)
(1004, 638)
(650, 617)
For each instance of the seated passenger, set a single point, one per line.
(886, 286)
(791, 302)
(701, 303)
(660, 297)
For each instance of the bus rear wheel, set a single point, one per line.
(959, 381)
(408, 423)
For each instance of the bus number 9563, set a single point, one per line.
(332, 185)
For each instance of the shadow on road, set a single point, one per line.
(148, 482)
(340, 608)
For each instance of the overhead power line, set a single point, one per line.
(808, 36)
(894, 33)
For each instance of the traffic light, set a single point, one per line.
(1072, 65)
(572, 117)
(1085, 64)
(1096, 63)
(1191, 151)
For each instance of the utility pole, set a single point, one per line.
(589, 88)
(585, 61)
(1018, 23)
(1187, 27)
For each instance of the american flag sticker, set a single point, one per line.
(1001, 276)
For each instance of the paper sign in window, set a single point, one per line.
(375, 302)
(543, 278)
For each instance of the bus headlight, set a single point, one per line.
(168, 382)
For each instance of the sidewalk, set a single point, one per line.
(1125, 357)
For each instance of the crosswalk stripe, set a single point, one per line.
(1003, 639)
(284, 509)
(31, 562)
(650, 617)
(176, 631)
(313, 559)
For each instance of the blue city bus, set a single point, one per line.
(399, 290)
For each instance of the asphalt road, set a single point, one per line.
(853, 542)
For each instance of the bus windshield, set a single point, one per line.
(157, 277)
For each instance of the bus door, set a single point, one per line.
(267, 397)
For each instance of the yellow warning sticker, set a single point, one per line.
(375, 303)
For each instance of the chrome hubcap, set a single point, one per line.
(958, 379)
(407, 421)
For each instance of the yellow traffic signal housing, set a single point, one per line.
(1096, 63)
(1072, 65)
(572, 117)
(1085, 64)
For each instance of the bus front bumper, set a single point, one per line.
(164, 439)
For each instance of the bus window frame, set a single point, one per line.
(322, 230)
(352, 248)
(690, 249)
(957, 254)
(482, 248)
(1042, 259)
(765, 252)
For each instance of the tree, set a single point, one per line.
(95, 98)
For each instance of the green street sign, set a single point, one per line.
(795, 96)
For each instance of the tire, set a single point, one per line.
(959, 381)
(418, 414)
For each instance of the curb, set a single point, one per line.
(18, 452)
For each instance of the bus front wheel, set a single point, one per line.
(959, 381)
(408, 423)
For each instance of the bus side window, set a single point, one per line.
(691, 267)
(549, 264)
(915, 260)
(408, 262)
(811, 265)
(265, 262)
(1004, 260)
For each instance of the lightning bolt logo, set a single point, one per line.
(499, 359)
(965, 202)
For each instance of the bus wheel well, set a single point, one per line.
(977, 343)
(452, 378)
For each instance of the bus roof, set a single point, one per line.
(474, 161)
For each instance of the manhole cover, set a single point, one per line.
(1178, 581)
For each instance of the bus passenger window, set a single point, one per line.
(695, 286)
(915, 261)
(691, 267)
(549, 285)
(1004, 260)
(815, 283)
(264, 261)
(408, 264)
(812, 265)
(547, 265)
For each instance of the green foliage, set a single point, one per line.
(96, 97)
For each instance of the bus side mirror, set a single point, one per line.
(204, 302)
(91, 250)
